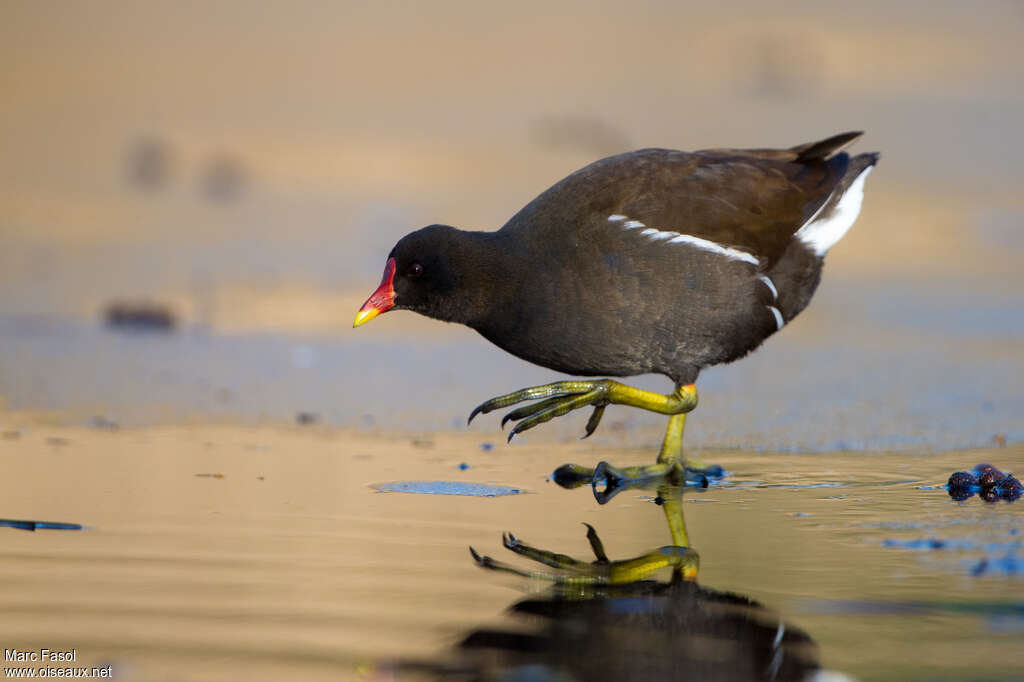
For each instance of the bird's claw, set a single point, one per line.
(596, 545)
(481, 561)
(595, 419)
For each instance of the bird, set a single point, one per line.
(651, 261)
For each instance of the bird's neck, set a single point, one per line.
(487, 266)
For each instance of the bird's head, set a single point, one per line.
(421, 274)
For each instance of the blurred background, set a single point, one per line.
(196, 197)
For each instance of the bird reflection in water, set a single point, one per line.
(609, 620)
(681, 559)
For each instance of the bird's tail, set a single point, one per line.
(839, 212)
(819, 151)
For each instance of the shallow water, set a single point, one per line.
(217, 552)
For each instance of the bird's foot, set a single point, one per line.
(554, 400)
(683, 561)
(562, 397)
(614, 480)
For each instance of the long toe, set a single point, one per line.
(555, 407)
(557, 389)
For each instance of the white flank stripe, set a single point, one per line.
(676, 238)
(778, 316)
(822, 234)
(771, 285)
(706, 245)
(778, 635)
(657, 235)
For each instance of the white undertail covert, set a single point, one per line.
(821, 232)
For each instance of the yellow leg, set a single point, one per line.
(672, 446)
(672, 503)
(680, 401)
(671, 493)
(682, 560)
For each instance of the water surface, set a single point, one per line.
(282, 560)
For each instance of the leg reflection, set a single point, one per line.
(682, 560)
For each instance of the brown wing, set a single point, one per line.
(752, 200)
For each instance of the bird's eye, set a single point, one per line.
(415, 270)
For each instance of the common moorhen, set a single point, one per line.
(653, 261)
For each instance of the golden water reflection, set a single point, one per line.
(289, 564)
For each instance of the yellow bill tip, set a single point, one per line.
(364, 316)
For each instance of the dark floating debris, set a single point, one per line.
(39, 525)
(990, 478)
(139, 316)
(980, 469)
(985, 481)
(962, 485)
(307, 418)
(1010, 488)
